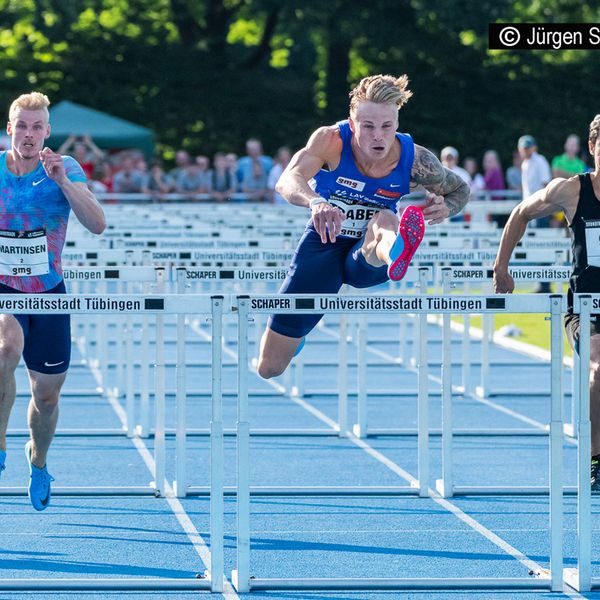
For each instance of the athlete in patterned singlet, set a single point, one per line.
(351, 175)
(38, 189)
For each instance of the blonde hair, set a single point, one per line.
(595, 129)
(382, 89)
(31, 101)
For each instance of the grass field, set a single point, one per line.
(535, 329)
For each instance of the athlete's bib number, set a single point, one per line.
(592, 242)
(23, 253)
(357, 216)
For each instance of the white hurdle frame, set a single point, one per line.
(246, 305)
(110, 304)
(580, 577)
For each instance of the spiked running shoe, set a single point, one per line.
(39, 483)
(595, 473)
(411, 230)
(2, 461)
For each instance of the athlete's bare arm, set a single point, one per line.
(559, 195)
(83, 202)
(323, 148)
(428, 172)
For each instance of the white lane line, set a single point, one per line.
(197, 541)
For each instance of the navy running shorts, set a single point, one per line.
(318, 268)
(47, 337)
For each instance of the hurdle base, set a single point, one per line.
(514, 431)
(480, 392)
(87, 491)
(367, 583)
(324, 490)
(106, 584)
(509, 490)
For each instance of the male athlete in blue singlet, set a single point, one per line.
(578, 197)
(351, 176)
(38, 189)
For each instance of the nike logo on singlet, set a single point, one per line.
(39, 181)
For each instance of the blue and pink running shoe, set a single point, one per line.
(411, 230)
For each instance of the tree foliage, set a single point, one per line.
(207, 74)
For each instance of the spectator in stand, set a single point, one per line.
(492, 173)
(85, 152)
(5, 143)
(103, 175)
(231, 158)
(513, 173)
(535, 170)
(494, 181)
(129, 180)
(535, 174)
(195, 178)
(254, 152)
(158, 182)
(568, 164)
(449, 156)
(282, 158)
(477, 182)
(254, 184)
(222, 178)
(182, 160)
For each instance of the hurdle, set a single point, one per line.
(242, 579)
(115, 304)
(157, 305)
(580, 577)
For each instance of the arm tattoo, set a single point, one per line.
(429, 172)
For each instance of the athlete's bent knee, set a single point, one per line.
(268, 370)
(46, 404)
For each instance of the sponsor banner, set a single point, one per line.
(518, 273)
(249, 274)
(346, 304)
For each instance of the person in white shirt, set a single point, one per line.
(535, 174)
(535, 170)
(449, 157)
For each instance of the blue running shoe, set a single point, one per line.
(300, 346)
(2, 461)
(39, 482)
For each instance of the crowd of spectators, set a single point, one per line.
(253, 177)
